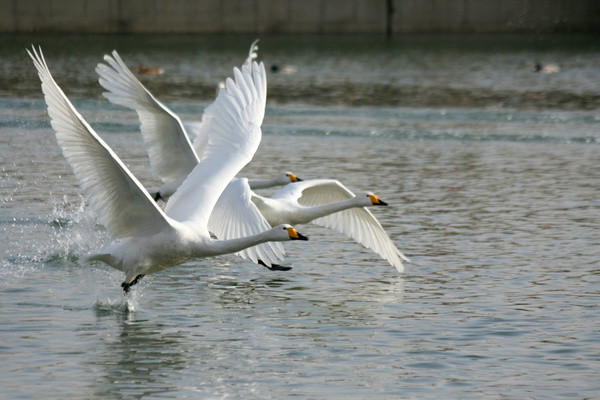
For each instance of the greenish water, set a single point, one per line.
(495, 202)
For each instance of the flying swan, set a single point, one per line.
(153, 239)
(172, 155)
(324, 202)
(239, 207)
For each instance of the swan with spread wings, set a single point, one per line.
(239, 209)
(152, 239)
(175, 148)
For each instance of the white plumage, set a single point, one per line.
(153, 240)
(324, 202)
(239, 210)
(171, 153)
(174, 147)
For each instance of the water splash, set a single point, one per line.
(59, 240)
(124, 304)
(75, 233)
(110, 306)
(132, 299)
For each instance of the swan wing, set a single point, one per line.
(313, 192)
(357, 223)
(236, 216)
(122, 204)
(199, 133)
(196, 133)
(233, 121)
(252, 54)
(170, 150)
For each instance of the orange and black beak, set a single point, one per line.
(295, 235)
(375, 200)
(294, 178)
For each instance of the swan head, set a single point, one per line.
(286, 177)
(288, 232)
(371, 199)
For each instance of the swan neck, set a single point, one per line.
(330, 208)
(234, 245)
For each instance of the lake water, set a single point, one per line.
(492, 176)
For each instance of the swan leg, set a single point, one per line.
(274, 267)
(157, 197)
(126, 286)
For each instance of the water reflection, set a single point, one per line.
(140, 358)
(232, 323)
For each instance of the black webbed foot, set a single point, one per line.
(157, 196)
(126, 286)
(274, 267)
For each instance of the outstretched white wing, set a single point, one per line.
(123, 205)
(252, 54)
(199, 132)
(233, 122)
(357, 223)
(236, 216)
(197, 137)
(170, 150)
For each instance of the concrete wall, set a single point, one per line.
(298, 16)
(497, 16)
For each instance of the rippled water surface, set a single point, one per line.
(495, 202)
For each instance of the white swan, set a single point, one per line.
(325, 202)
(173, 157)
(167, 143)
(167, 139)
(152, 239)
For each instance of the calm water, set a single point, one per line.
(495, 201)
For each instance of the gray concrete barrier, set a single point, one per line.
(299, 16)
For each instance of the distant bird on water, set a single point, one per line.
(145, 70)
(546, 68)
(283, 69)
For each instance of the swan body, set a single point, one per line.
(177, 245)
(276, 209)
(153, 239)
(325, 202)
